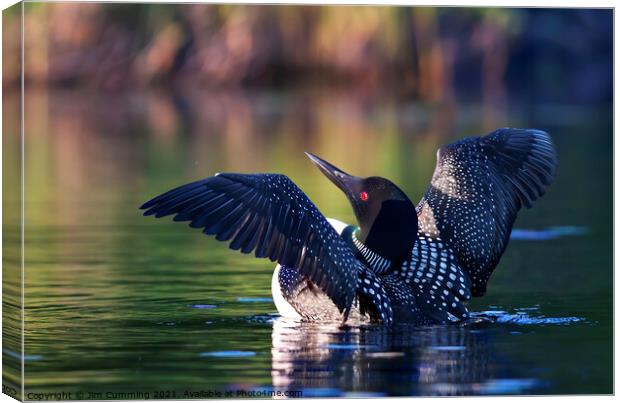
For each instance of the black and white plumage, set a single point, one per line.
(439, 284)
(478, 186)
(431, 272)
(377, 263)
(270, 215)
(405, 264)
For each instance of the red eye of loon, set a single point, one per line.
(364, 196)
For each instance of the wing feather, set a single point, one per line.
(270, 215)
(479, 185)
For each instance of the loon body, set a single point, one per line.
(402, 263)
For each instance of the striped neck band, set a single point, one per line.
(377, 263)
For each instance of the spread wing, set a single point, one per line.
(270, 215)
(478, 186)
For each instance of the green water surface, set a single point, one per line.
(118, 303)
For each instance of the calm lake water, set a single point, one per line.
(119, 303)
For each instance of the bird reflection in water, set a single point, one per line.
(328, 360)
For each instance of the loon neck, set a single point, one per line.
(372, 259)
(393, 231)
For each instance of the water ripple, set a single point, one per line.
(448, 348)
(334, 346)
(253, 299)
(203, 306)
(523, 318)
(26, 357)
(547, 233)
(228, 354)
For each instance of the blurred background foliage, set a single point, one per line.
(425, 53)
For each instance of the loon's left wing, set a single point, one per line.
(270, 215)
(478, 186)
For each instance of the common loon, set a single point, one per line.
(402, 263)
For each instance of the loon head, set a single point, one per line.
(387, 218)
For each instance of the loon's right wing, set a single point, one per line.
(478, 186)
(270, 215)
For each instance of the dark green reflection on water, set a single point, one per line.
(119, 302)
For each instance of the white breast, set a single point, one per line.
(284, 308)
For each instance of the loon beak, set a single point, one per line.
(347, 183)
